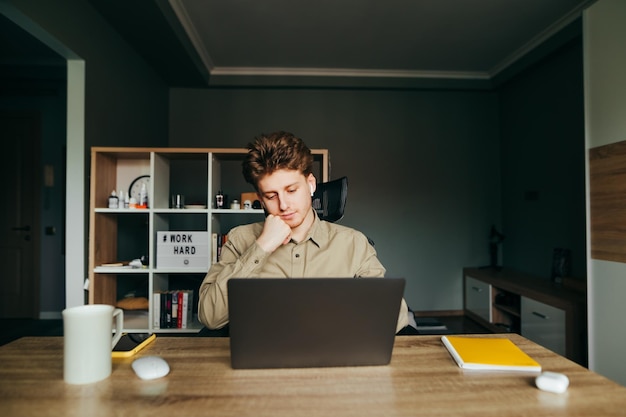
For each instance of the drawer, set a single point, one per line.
(478, 298)
(543, 324)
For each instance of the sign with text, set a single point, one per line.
(182, 249)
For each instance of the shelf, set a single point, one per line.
(121, 211)
(508, 309)
(137, 321)
(120, 270)
(181, 211)
(194, 327)
(231, 211)
(180, 271)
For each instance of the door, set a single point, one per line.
(19, 213)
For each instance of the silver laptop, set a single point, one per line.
(312, 322)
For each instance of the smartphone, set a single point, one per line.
(131, 343)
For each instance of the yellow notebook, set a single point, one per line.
(489, 354)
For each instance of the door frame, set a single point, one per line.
(75, 202)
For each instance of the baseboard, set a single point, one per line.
(439, 313)
(50, 315)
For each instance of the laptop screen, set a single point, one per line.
(312, 322)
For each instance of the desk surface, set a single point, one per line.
(422, 379)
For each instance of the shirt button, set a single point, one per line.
(256, 261)
(297, 255)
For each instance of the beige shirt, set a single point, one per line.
(329, 251)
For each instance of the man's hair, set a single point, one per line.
(279, 150)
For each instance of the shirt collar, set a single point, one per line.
(318, 234)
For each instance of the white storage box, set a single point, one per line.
(189, 249)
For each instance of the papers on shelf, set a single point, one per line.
(485, 353)
(135, 264)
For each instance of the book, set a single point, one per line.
(174, 321)
(184, 314)
(168, 310)
(156, 307)
(179, 313)
(217, 241)
(484, 353)
(163, 318)
(173, 309)
(190, 304)
(114, 264)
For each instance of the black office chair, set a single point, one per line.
(329, 199)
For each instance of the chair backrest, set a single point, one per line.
(329, 199)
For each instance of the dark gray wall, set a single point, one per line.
(126, 104)
(423, 167)
(543, 151)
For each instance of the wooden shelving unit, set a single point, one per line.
(123, 234)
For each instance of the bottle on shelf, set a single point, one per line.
(113, 200)
(219, 200)
(143, 197)
(120, 199)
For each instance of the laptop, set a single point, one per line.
(312, 322)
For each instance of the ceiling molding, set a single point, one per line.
(192, 34)
(346, 81)
(540, 39)
(335, 72)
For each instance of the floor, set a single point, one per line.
(16, 328)
(459, 325)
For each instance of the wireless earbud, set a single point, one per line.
(311, 187)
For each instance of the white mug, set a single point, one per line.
(87, 342)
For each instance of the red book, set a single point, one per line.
(179, 324)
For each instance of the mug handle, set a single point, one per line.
(118, 314)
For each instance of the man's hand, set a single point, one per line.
(275, 233)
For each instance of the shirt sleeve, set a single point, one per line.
(368, 264)
(372, 267)
(241, 257)
(403, 316)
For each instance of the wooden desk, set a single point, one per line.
(422, 379)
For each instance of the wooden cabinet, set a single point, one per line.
(544, 324)
(549, 314)
(478, 298)
(119, 235)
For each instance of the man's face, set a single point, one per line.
(287, 193)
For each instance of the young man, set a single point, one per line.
(292, 242)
